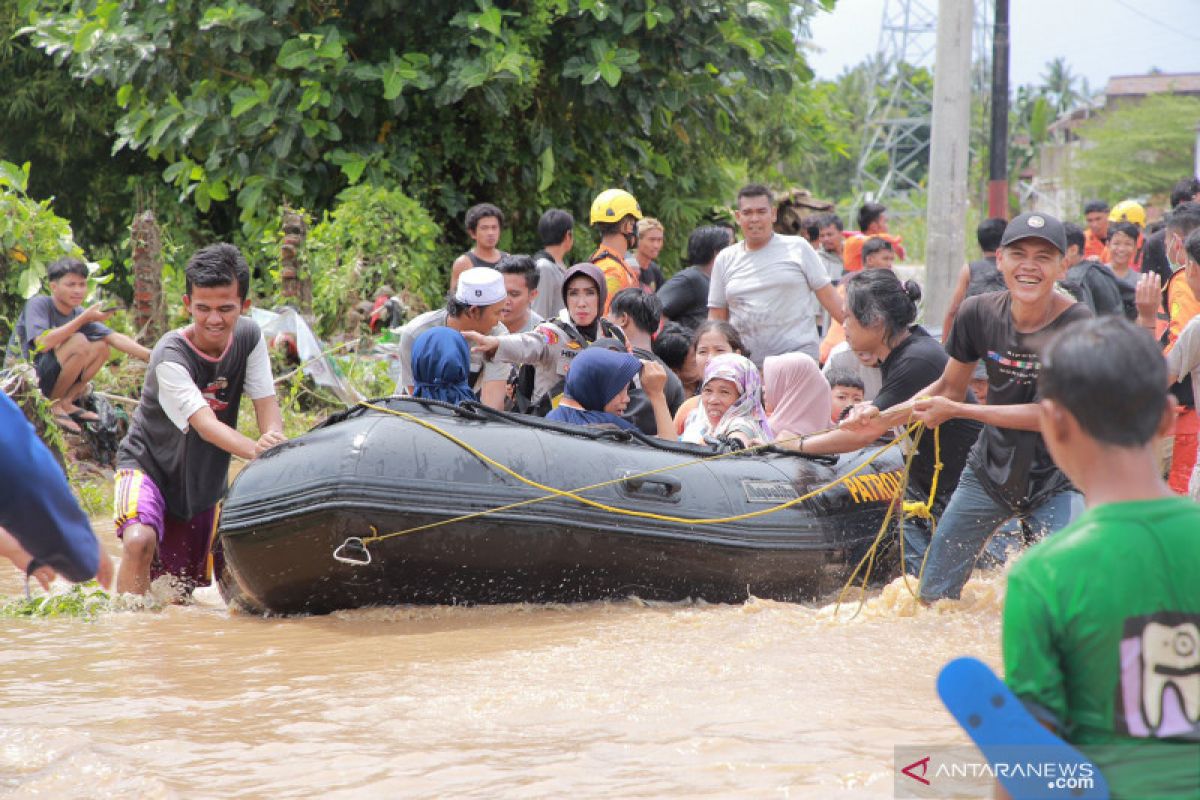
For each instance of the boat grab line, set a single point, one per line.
(359, 544)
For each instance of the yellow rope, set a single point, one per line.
(573, 494)
(912, 508)
(915, 508)
(868, 558)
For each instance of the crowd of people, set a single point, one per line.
(1039, 387)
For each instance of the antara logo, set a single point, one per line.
(911, 770)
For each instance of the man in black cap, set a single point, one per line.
(1009, 473)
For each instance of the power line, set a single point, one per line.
(1165, 25)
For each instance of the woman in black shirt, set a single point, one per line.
(880, 317)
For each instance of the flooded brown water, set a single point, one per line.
(618, 699)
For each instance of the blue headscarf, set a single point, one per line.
(596, 376)
(441, 365)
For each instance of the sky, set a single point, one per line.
(1098, 38)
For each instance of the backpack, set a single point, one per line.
(1097, 286)
(103, 436)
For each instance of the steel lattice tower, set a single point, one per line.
(896, 134)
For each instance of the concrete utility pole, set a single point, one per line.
(948, 151)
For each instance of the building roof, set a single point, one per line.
(1140, 85)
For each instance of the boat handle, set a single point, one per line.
(671, 486)
(353, 551)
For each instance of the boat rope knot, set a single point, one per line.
(924, 510)
(353, 551)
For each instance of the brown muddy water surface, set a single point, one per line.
(619, 699)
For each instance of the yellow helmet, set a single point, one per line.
(613, 205)
(1128, 211)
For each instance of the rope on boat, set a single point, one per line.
(911, 508)
(354, 550)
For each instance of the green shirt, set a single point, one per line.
(1102, 640)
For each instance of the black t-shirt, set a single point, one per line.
(685, 297)
(914, 364)
(189, 472)
(1154, 255)
(1013, 466)
(639, 411)
(652, 276)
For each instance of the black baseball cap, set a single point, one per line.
(1036, 225)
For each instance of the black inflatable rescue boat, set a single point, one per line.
(297, 525)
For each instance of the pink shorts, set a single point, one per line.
(185, 547)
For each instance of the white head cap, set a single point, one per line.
(480, 286)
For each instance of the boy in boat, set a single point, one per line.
(172, 465)
(1102, 621)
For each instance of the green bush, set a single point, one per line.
(31, 237)
(373, 236)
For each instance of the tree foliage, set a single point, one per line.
(1060, 87)
(31, 237)
(374, 236)
(64, 129)
(1137, 148)
(527, 103)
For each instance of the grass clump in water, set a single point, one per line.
(82, 601)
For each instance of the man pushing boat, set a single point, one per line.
(172, 465)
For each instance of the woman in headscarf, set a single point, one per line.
(712, 338)
(597, 390)
(796, 395)
(730, 404)
(550, 347)
(441, 364)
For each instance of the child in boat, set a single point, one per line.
(173, 463)
(441, 366)
(730, 409)
(597, 390)
(845, 390)
(1102, 621)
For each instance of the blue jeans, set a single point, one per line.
(1008, 537)
(970, 518)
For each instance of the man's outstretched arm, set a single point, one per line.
(37, 507)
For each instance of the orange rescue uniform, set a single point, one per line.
(1094, 246)
(1182, 306)
(617, 274)
(852, 252)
